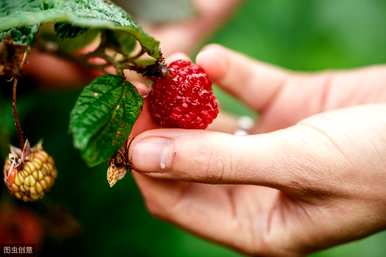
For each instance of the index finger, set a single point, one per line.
(252, 82)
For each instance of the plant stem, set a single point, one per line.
(19, 130)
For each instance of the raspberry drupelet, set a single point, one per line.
(183, 98)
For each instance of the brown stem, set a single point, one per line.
(19, 130)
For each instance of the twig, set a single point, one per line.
(19, 130)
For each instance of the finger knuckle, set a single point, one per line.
(206, 158)
(211, 166)
(215, 169)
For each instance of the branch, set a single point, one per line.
(19, 130)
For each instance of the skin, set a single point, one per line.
(310, 176)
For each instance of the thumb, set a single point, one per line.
(273, 159)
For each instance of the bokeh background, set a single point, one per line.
(83, 217)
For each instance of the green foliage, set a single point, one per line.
(103, 117)
(124, 42)
(107, 109)
(66, 30)
(71, 44)
(302, 35)
(20, 36)
(97, 14)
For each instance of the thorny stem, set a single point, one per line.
(19, 130)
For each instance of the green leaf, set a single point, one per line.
(103, 117)
(97, 14)
(125, 42)
(78, 42)
(66, 30)
(20, 36)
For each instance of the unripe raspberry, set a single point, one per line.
(29, 173)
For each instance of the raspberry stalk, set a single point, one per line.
(19, 130)
(28, 172)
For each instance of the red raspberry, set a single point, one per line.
(183, 98)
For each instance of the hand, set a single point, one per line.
(317, 180)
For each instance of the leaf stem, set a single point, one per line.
(19, 130)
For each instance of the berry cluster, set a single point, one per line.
(30, 173)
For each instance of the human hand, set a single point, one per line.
(317, 180)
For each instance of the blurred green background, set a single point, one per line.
(302, 35)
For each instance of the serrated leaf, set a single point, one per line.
(103, 117)
(97, 14)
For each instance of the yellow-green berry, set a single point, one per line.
(29, 173)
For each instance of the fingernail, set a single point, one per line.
(151, 154)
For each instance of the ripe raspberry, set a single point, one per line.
(29, 173)
(183, 98)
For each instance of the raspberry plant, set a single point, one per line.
(106, 109)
